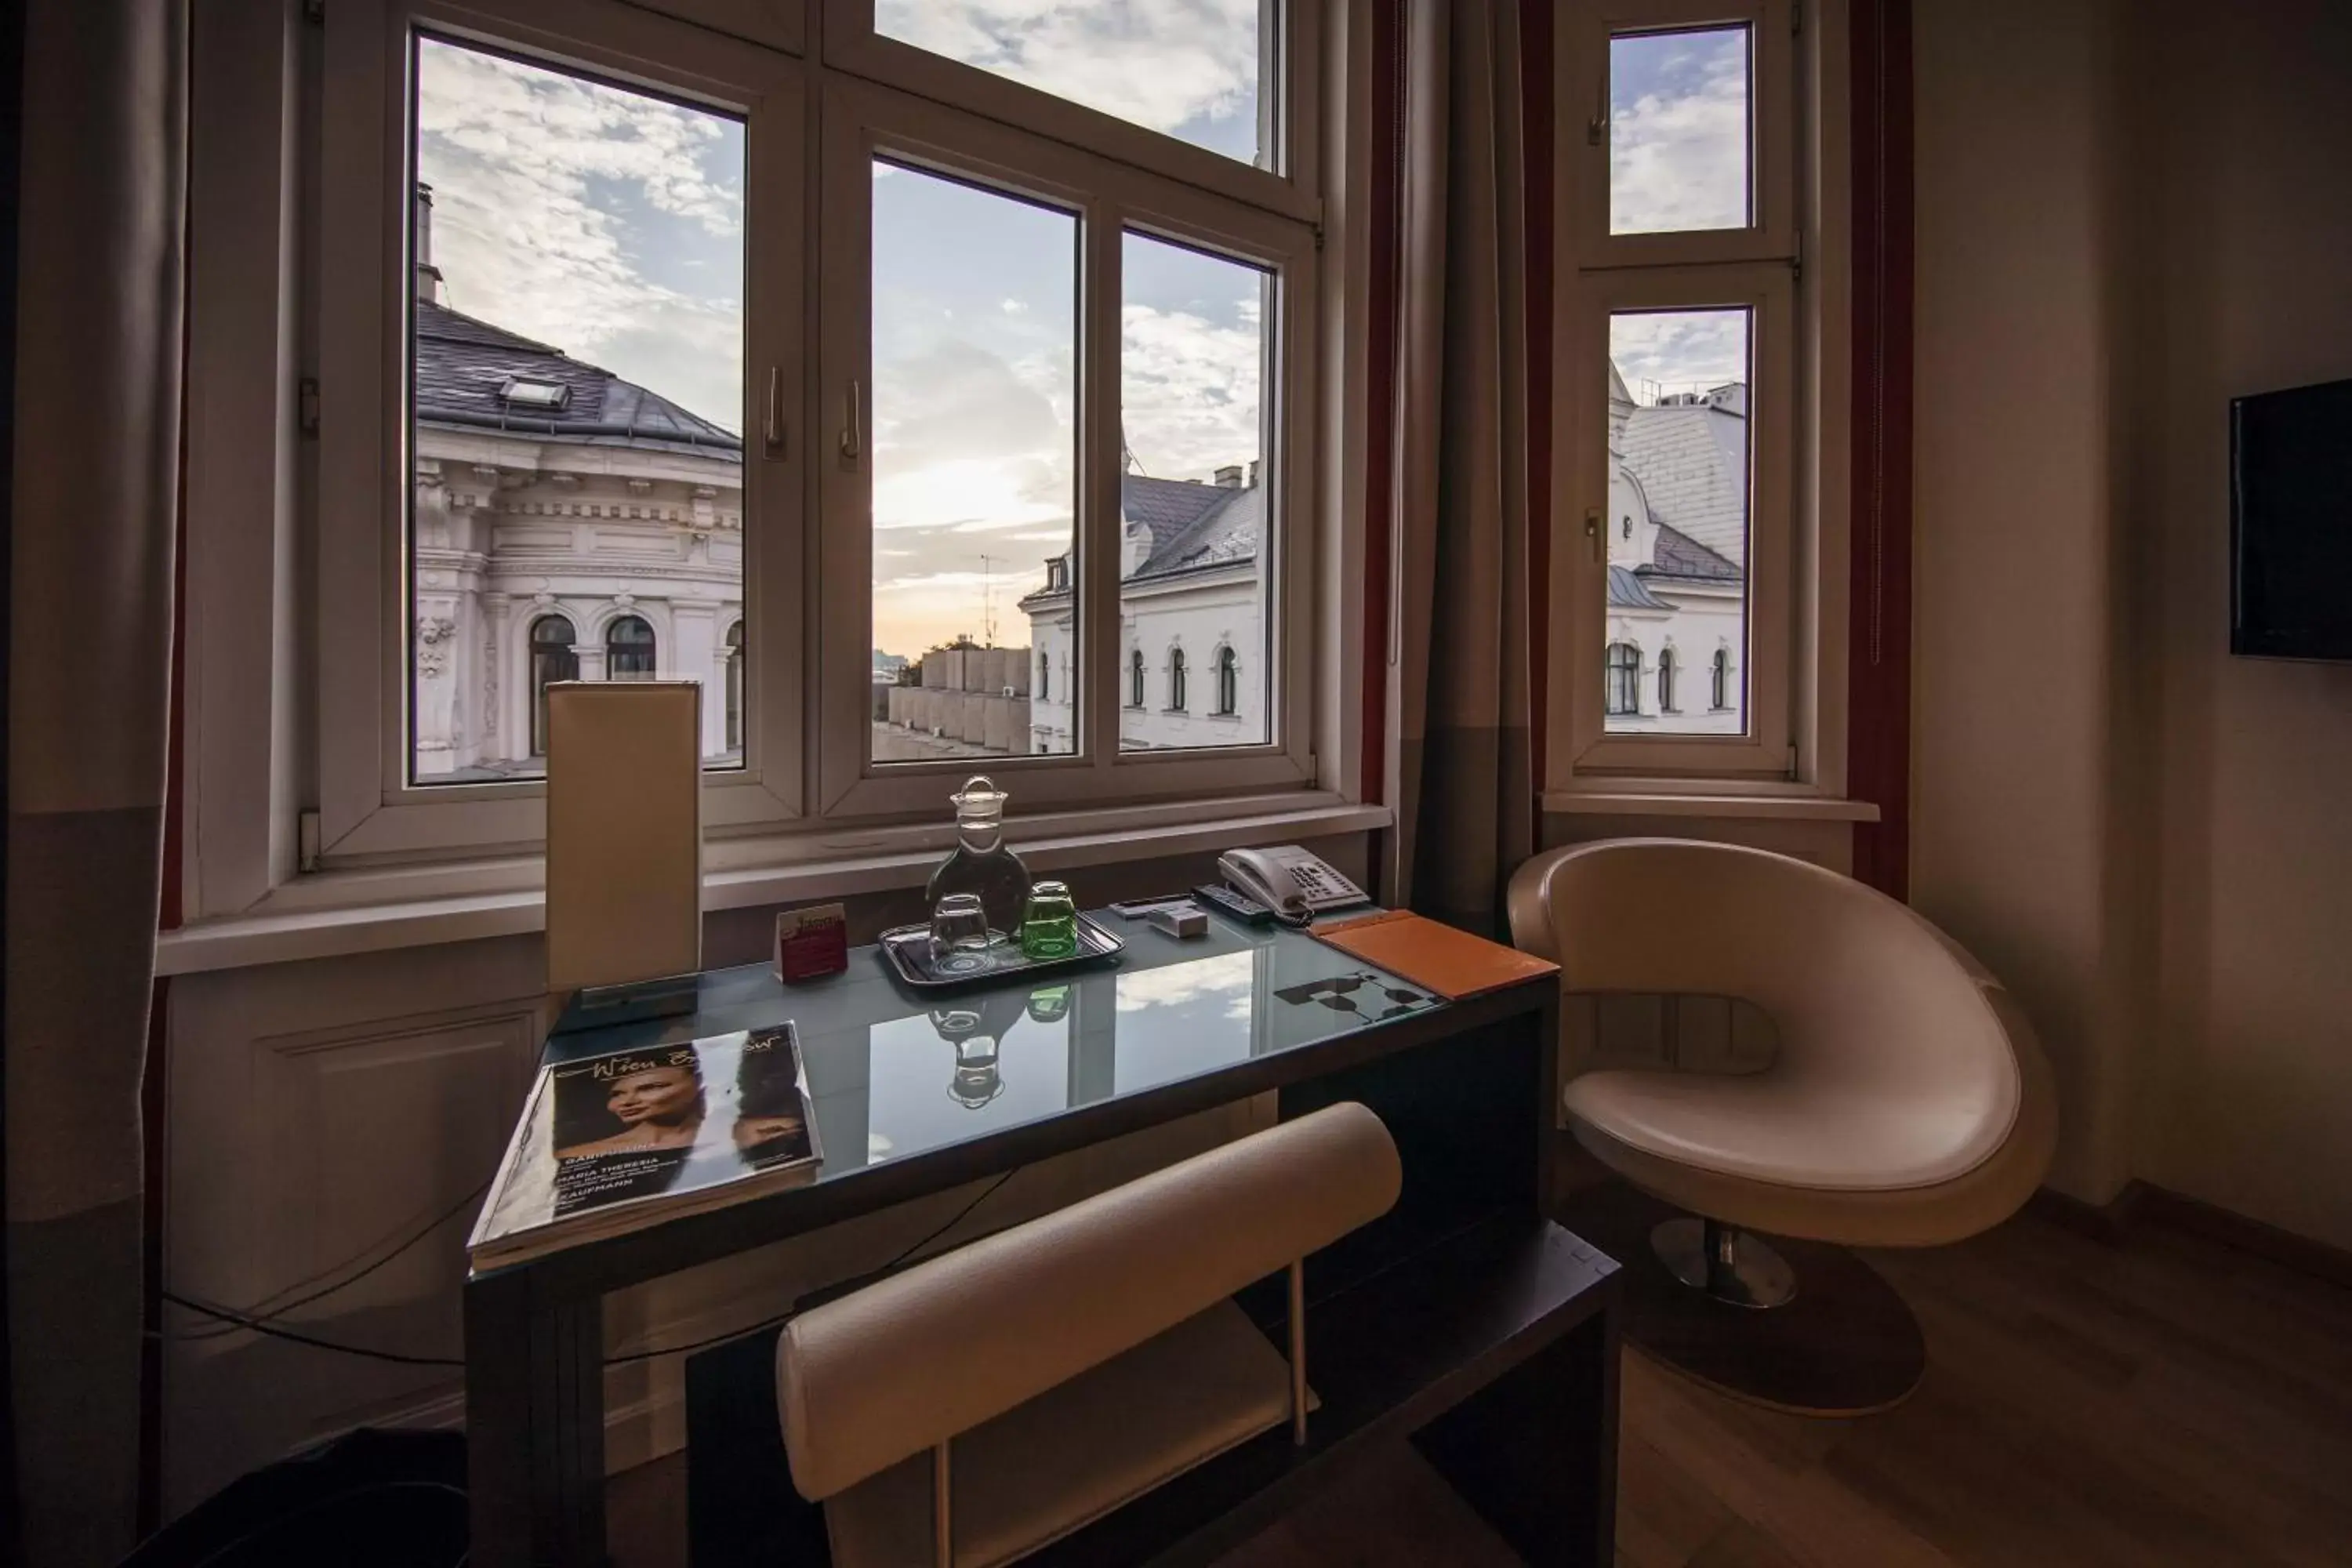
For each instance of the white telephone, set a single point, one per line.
(1288, 880)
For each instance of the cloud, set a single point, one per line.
(1678, 132)
(1159, 63)
(554, 195)
(1661, 351)
(1230, 975)
(1190, 391)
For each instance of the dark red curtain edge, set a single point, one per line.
(1538, 21)
(1878, 703)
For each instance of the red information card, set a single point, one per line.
(811, 942)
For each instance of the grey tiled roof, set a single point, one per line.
(1677, 555)
(1627, 592)
(462, 363)
(1223, 536)
(1692, 462)
(1167, 506)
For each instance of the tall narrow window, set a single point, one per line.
(974, 458)
(575, 306)
(1193, 362)
(735, 687)
(1720, 680)
(1679, 485)
(1135, 679)
(1624, 677)
(552, 658)
(1666, 681)
(1176, 703)
(629, 652)
(1228, 683)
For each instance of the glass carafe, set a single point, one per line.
(981, 865)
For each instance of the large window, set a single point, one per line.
(890, 369)
(1680, 321)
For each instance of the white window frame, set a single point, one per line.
(1788, 271)
(862, 121)
(367, 804)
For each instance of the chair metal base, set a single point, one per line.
(1842, 1344)
(1729, 1264)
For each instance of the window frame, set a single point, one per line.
(863, 119)
(1294, 41)
(1792, 278)
(367, 804)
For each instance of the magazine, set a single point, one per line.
(612, 1142)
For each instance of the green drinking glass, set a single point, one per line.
(1049, 924)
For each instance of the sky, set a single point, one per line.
(610, 225)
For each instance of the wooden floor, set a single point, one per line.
(2161, 1400)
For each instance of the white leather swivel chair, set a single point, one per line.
(1908, 1105)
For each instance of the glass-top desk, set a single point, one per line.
(917, 1094)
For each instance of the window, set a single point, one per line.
(553, 657)
(576, 343)
(1135, 679)
(1681, 321)
(629, 650)
(938, 348)
(1624, 669)
(735, 689)
(1176, 702)
(1229, 684)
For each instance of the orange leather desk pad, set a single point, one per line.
(1452, 963)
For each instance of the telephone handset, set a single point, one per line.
(1294, 884)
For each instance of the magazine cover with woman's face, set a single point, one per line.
(665, 1119)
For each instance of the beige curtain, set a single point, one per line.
(92, 538)
(1462, 776)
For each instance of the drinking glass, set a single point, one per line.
(1049, 925)
(958, 924)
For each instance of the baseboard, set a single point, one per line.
(2259, 1237)
(2105, 1222)
(2144, 1204)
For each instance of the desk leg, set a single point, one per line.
(534, 1426)
(1535, 1452)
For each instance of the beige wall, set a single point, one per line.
(2015, 534)
(2120, 227)
(2249, 249)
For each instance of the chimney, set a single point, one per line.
(428, 277)
(1229, 477)
(1253, 473)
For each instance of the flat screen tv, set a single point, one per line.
(2291, 523)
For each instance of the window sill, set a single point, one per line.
(1737, 807)
(335, 914)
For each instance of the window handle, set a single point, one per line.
(773, 427)
(852, 423)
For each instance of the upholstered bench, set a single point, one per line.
(988, 1402)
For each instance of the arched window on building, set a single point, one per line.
(1176, 703)
(629, 650)
(551, 659)
(1135, 679)
(1719, 684)
(1622, 694)
(1666, 681)
(1045, 676)
(1229, 682)
(735, 686)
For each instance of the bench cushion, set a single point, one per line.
(1075, 1452)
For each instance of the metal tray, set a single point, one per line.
(907, 953)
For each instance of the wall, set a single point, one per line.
(2249, 245)
(2127, 216)
(2016, 539)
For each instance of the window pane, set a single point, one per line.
(974, 446)
(1195, 522)
(1189, 71)
(576, 387)
(1678, 131)
(1678, 507)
